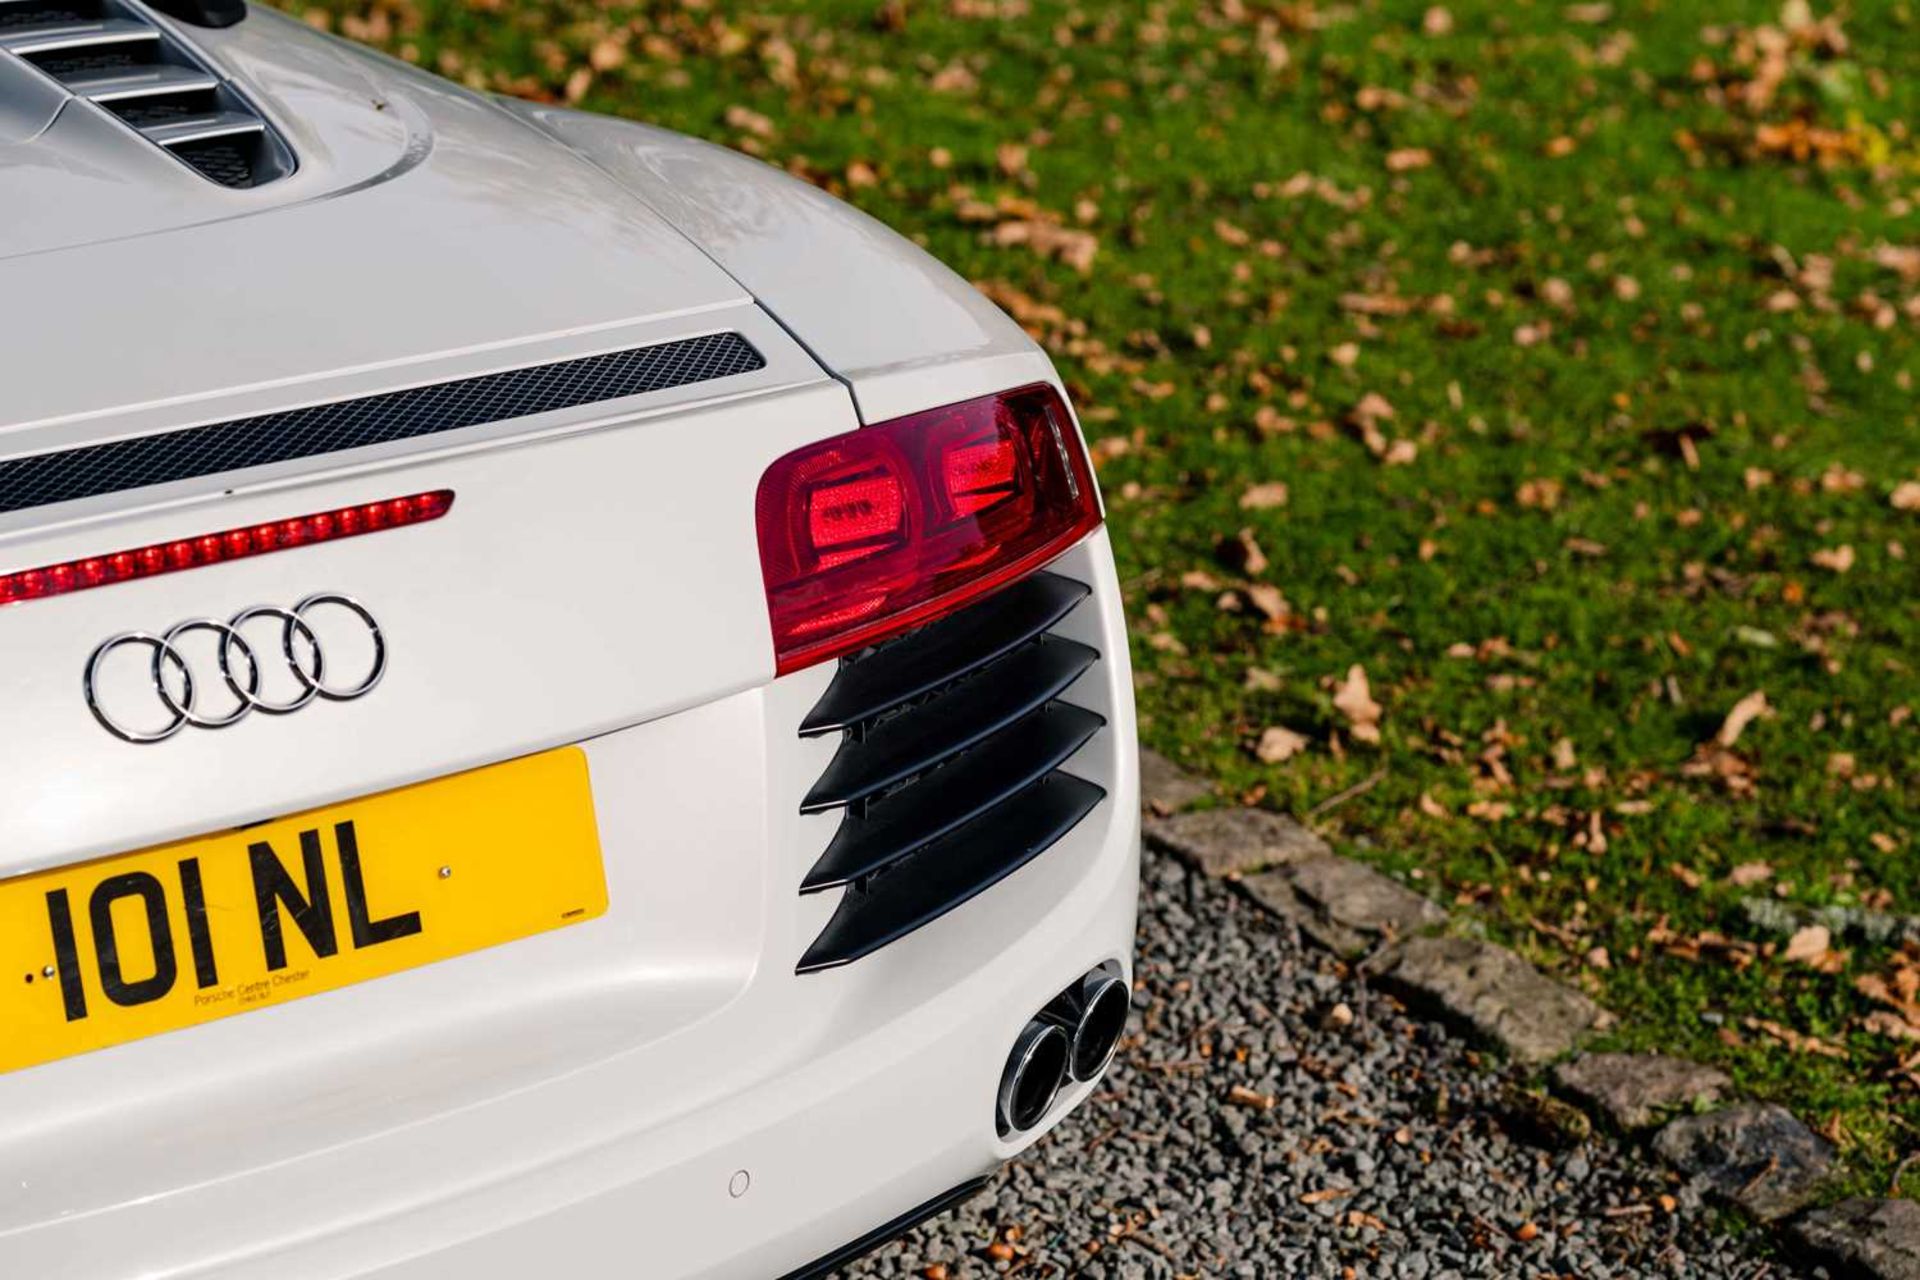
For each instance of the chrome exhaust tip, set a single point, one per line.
(1036, 1069)
(1100, 1002)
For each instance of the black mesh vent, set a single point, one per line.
(112, 54)
(42, 479)
(39, 15)
(228, 163)
(62, 65)
(158, 110)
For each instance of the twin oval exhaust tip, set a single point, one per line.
(1073, 1038)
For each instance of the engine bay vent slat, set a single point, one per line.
(109, 55)
(120, 86)
(41, 40)
(202, 127)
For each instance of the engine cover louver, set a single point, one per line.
(113, 56)
(949, 770)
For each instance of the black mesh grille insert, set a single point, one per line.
(949, 785)
(164, 108)
(228, 163)
(42, 479)
(113, 58)
(39, 15)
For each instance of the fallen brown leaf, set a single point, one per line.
(748, 121)
(1540, 494)
(1373, 407)
(1834, 559)
(607, 53)
(1795, 1040)
(1891, 1025)
(1267, 599)
(1808, 945)
(1243, 553)
(1261, 497)
(1744, 713)
(1278, 744)
(1050, 240)
(1354, 700)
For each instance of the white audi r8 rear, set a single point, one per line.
(563, 704)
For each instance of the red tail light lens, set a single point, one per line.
(870, 533)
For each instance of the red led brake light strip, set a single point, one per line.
(218, 548)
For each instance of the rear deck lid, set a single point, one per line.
(419, 221)
(566, 573)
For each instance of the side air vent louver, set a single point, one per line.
(952, 738)
(109, 54)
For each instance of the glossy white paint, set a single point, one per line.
(586, 579)
(902, 329)
(578, 1102)
(423, 223)
(582, 1099)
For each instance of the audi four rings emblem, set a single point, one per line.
(179, 688)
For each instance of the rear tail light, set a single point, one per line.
(868, 534)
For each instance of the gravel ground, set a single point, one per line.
(1381, 1155)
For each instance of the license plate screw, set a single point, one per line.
(446, 873)
(48, 972)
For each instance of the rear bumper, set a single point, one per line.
(893, 1230)
(838, 1152)
(654, 1093)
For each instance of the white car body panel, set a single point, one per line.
(589, 1100)
(589, 1094)
(827, 272)
(497, 236)
(510, 646)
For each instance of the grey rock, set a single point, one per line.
(1491, 994)
(1873, 1239)
(1341, 905)
(1359, 897)
(1275, 891)
(1857, 924)
(1767, 915)
(1634, 1091)
(1754, 1155)
(1166, 788)
(1223, 842)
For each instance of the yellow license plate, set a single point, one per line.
(134, 945)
